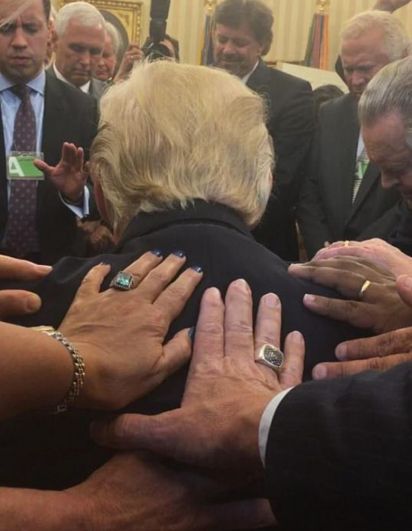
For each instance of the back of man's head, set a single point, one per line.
(395, 40)
(254, 13)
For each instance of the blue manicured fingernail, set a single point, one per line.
(191, 333)
(179, 254)
(157, 252)
(198, 269)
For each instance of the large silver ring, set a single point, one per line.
(271, 356)
(123, 281)
(363, 289)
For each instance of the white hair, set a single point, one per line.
(390, 91)
(114, 36)
(172, 133)
(396, 42)
(83, 12)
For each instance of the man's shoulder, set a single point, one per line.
(278, 79)
(98, 87)
(344, 103)
(57, 88)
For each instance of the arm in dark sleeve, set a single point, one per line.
(310, 212)
(339, 454)
(292, 131)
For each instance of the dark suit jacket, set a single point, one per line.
(290, 123)
(325, 210)
(96, 88)
(339, 454)
(56, 451)
(68, 116)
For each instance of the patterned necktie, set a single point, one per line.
(21, 234)
(362, 163)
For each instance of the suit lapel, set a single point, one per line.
(53, 120)
(349, 136)
(369, 179)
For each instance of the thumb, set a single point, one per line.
(404, 287)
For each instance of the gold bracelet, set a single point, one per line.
(79, 371)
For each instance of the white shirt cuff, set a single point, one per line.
(80, 211)
(266, 422)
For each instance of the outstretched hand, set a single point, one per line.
(69, 176)
(121, 334)
(379, 307)
(377, 353)
(226, 390)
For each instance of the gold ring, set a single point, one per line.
(346, 243)
(363, 289)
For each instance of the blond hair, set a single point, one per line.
(173, 133)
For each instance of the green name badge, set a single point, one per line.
(20, 166)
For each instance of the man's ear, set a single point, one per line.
(53, 38)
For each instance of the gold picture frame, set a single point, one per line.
(126, 16)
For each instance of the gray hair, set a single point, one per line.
(172, 133)
(396, 42)
(390, 91)
(84, 12)
(114, 36)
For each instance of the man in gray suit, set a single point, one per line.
(342, 198)
(79, 39)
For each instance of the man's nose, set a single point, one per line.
(19, 39)
(228, 48)
(84, 58)
(357, 79)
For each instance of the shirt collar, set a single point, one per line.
(37, 84)
(245, 78)
(196, 211)
(84, 88)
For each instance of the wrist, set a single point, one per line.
(74, 199)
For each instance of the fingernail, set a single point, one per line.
(296, 337)
(271, 300)
(191, 333)
(213, 293)
(198, 269)
(44, 268)
(157, 252)
(179, 254)
(309, 299)
(241, 283)
(33, 303)
(319, 372)
(341, 351)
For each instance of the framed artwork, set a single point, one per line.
(126, 16)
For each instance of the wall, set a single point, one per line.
(292, 23)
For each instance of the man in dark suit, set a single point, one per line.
(213, 232)
(79, 37)
(242, 35)
(335, 452)
(342, 197)
(60, 114)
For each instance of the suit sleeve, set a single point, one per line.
(310, 212)
(401, 236)
(339, 454)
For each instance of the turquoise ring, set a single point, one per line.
(123, 281)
